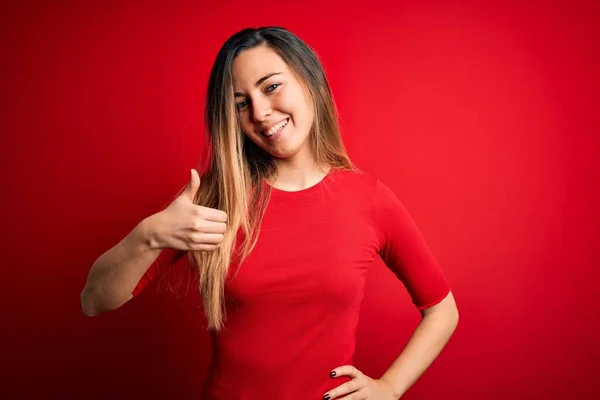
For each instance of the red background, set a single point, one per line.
(483, 118)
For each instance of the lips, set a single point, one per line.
(273, 129)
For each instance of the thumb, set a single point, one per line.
(192, 186)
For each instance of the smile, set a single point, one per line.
(274, 130)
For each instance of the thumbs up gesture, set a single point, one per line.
(184, 225)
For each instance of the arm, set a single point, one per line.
(426, 343)
(404, 251)
(153, 245)
(115, 274)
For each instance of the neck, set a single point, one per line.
(298, 173)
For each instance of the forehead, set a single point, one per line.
(252, 64)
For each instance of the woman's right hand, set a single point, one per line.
(184, 225)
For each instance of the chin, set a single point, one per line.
(286, 149)
(282, 155)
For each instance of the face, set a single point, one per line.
(273, 109)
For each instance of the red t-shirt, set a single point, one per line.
(292, 309)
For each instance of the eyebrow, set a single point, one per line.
(258, 82)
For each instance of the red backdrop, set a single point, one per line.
(484, 119)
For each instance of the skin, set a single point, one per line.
(283, 96)
(426, 343)
(279, 97)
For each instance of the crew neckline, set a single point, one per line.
(305, 190)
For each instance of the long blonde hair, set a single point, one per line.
(237, 167)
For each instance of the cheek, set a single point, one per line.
(245, 123)
(297, 105)
(305, 115)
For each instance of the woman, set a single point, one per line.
(282, 228)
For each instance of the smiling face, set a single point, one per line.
(273, 109)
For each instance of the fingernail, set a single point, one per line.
(332, 374)
(326, 397)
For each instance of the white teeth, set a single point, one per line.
(277, 128)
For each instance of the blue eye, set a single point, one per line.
(274, 86)
(242, 104)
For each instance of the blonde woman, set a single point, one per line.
(282, 229)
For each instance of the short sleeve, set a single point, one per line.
(403, 250)
(165, 259)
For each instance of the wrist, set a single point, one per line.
(148, 232)
(392, 386)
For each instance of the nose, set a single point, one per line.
(261, 109)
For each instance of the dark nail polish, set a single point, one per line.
(326, 397)
(332, 374)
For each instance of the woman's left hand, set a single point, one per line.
(361, 387)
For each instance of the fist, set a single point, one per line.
(185, 225)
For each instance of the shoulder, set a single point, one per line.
(353, 189)
(356, 180)
(357, 186)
